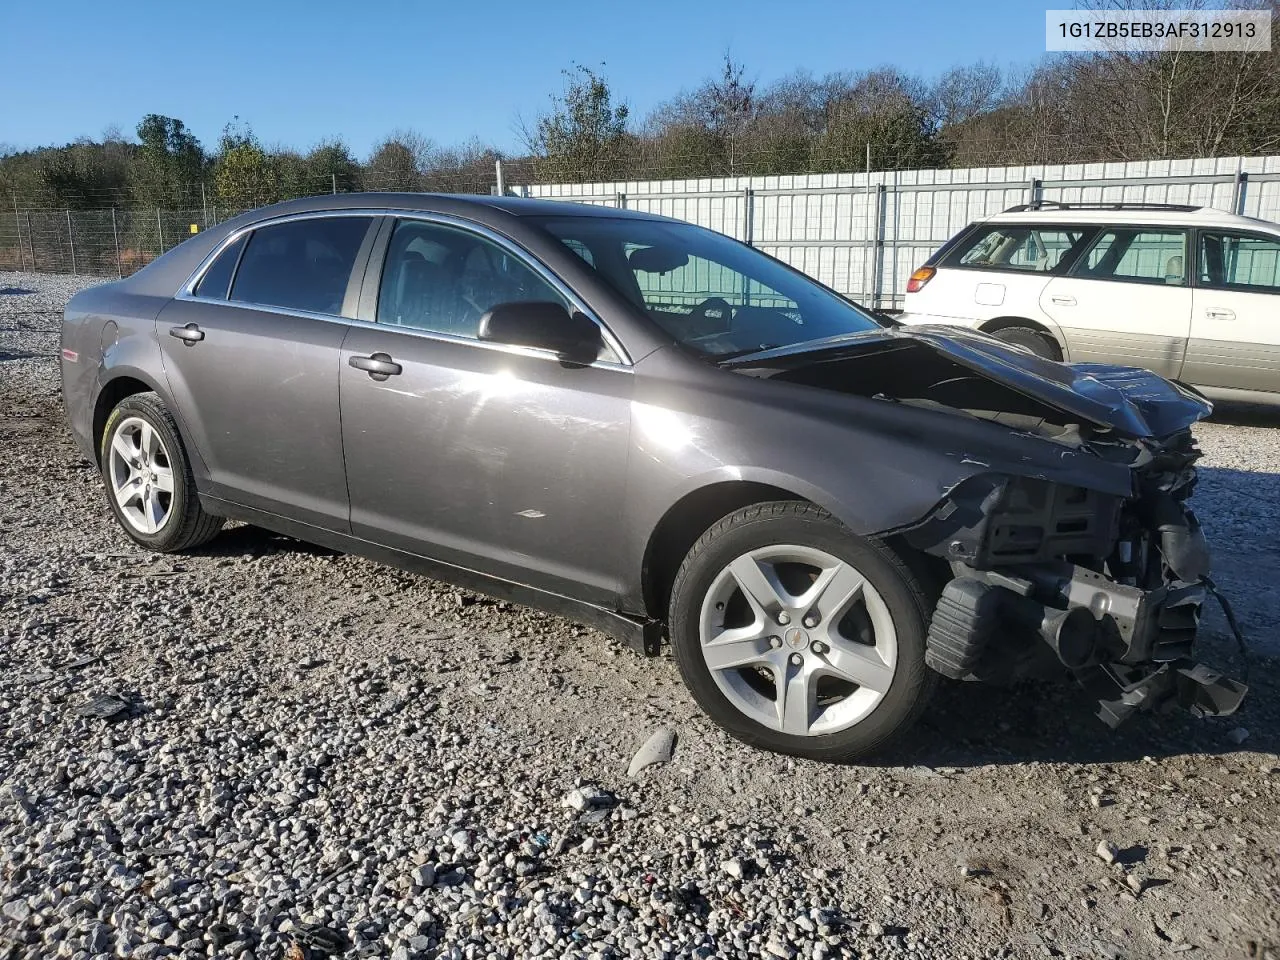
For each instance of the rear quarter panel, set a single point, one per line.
(111, 331)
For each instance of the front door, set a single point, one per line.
(1126, 300)
(502, 460)
(1235, 324)
(255, 376)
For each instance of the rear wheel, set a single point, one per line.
(1038, 342)
(797, 636)
(148, 479)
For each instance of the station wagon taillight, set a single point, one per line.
(920, 278)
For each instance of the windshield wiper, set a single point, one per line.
(738, 354)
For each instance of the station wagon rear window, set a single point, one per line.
(1027, 249)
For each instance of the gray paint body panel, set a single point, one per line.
(456, 458)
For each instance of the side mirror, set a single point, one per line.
(544, 325)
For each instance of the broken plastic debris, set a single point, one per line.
(657, 749)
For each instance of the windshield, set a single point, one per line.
(713, 294)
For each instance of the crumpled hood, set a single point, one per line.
(1127, 401)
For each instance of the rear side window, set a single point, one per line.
(301, 265)
(1027, 249)
(1240, 262)
(217, 279)
(1136, 255)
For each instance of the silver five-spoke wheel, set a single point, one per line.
(141, 475)
(798, 640)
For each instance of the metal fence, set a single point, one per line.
(864, 233)
(861, 233)
(106, 242)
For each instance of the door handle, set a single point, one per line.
(1221, 313)
(191, 334)
(379, 366)
(1064, 301)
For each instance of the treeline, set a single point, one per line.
(1071, 108)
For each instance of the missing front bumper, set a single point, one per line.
(1130, 648)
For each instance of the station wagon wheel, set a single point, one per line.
(795, 635)
(1038, 342)
(148, 477)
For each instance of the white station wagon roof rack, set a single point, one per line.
(1105, 205)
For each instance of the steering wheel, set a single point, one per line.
(699, 315)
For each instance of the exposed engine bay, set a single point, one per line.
(1112, 587)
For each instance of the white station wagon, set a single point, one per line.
(1188, 292)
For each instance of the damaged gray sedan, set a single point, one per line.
(665, 434)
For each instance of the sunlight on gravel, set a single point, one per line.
(262, 749)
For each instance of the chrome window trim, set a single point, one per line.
(187, 291)
(533, 352)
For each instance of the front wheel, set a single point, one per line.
(797, 636)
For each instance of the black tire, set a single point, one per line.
(803, 524)
(186, 525)
(1038, 342)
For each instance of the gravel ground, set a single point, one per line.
(318, 756)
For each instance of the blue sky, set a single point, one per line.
(301, 71)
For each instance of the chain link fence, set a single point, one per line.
(111, 242)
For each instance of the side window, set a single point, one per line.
(301, 264)
(1012, 247)
(1239, 262)
(444, 280)
(1136, 255)
(216, 281)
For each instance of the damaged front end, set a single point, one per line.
(1109, 587)
(1106, 577)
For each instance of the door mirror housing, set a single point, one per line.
(545, 326)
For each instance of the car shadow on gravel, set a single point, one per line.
(976, 724)
(245, 540)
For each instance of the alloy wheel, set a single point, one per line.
(141, 475)
(798, 640)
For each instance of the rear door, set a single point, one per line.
(499, 459)
(997, 270)
(1235, 322)
(251, 355)
(1126, 300)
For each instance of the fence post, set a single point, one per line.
(160, 230)
(502, 181)
(71, 239)
(748, 216)
(1033, 191)
(115, 238)
(620, 200)
(877, 246)
(204, 205)
(334, 178)
(1237, 192)
(17, 222)
(31, 242)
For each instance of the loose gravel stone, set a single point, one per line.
(323, 754)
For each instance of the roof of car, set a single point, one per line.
(448, 202)
(1136, 214)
